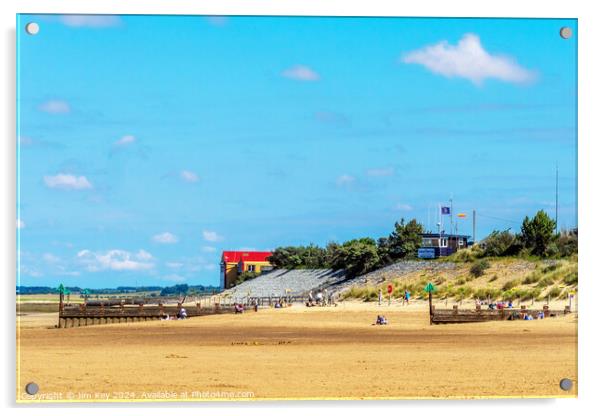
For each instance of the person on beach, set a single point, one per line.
(319, 298)
(406, 297)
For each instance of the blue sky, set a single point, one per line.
(149, 144)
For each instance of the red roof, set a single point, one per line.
(237, 256)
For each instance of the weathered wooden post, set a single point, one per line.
(430, 288)
(61, 289)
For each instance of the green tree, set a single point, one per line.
(384, 250)
(358, 256)
(332, 258)
(244, 276)
(405, 240)
(538, 233)
(286, 258)
(567, 243)
(501, 243)
(180, 289)
(313, 257)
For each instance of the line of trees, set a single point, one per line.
(537, 237)
(357, 256)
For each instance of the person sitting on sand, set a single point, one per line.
(319, 299)
(238, 308)
(381, 320)
(182, 314)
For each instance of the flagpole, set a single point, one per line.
(451, 216)
(440, 219)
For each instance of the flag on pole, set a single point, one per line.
(461, 215)
(445, 210)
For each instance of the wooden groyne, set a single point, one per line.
(98, 313)
(111, 311)
(456, 316)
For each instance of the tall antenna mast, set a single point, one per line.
(556, 217)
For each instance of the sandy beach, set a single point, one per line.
(297, 353)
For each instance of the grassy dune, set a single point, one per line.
(508, 278)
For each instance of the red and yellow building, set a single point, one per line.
(235, 262)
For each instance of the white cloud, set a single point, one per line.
(212, 236)
(50, 258)
(345, 180)
(301, 73)
(174, 278)
(125, 140)
(208, 249)
(118, 260)
(174, 264)
(468, 59)
(165, 238)
(93, 21)
(29, 271)
(189, 176)
(67, 182)
(55, 107)
(403, 207)
(20, 223)
(380, 172)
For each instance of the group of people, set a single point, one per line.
(493, 305)
(526, 316)
(405, 299)
(181, 314)
(322, 298)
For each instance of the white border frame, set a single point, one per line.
(590, 68)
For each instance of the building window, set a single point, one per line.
(443, 242)
(460, 242)
(251, 268)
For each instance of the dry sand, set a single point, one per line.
(297, 353)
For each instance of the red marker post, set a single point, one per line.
(389, 291)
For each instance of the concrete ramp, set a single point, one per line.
(277, 282)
